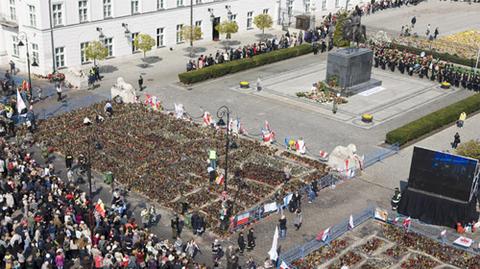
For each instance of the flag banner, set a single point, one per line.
(283, 265)
(443, 233)
(20, 103)
(207, 118)
(323, 235)
(243, 218)
(270, 207)
(463, 242)
(220, 179)
(273, 251)
(286, 199)
(407, 222)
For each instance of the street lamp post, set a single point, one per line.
(191, 27)
(51, 35)
(221, 112)
(88, 124)
(20, 44)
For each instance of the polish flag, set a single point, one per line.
(323, 235)
(300, 146)
(207, 118)
(243, 218)
(220, 179)
(323, 154)
(407, 222)
(283, 265)
(100, 208)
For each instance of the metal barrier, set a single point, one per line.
(381, 154)
(335, 232)
(257, 213)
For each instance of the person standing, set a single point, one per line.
(140, 82)
(12, 67)
(212, 157)
(68, 161)
(456, 140)
(413, 21)
(435, 33)
(241, 242)
(250, 240)
(297, 221)
(175, 225)
(59, 92)
(282, 225)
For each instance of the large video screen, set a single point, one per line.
(442, 173)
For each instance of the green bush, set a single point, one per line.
(433, 121)
(220, 70)
(442, 56)
(338, 40)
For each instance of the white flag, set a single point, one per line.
(283, 265)
(20, 103)
(273, 251)
(350, 222)
(443, 233)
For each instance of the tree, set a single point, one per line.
(96, 51)
(191, 35)
(144, 42)
(470, 149)
(262, 22)
(338, 33)
(228, 28)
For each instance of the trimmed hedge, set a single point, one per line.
(220, 70)
(433, 121)
(442, 56)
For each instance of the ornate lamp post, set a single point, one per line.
(20, 44)
(221, 112)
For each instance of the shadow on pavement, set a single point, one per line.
(108, 69)
(151, 59)
(263, 37)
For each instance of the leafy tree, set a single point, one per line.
(470, 149)
(262, 22)
(228, 28)
(338, 33)
(144, 42)
(96, 51)
(191, 34)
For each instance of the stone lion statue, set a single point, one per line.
(123, 92)
(345, 159)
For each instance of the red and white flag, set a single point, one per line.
(220, 179)
(243, 218)
(283, 265)
(100, 208)
(407, 222)
(207, 118)
(323, 235)
(300, 146)
(350, 222)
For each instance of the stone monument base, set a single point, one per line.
(355, 89)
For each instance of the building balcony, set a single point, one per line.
(6, 21)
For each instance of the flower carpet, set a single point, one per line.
(166, 158)
(375, 245)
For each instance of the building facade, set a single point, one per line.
(116, 23)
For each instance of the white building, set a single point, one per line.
(77, 22)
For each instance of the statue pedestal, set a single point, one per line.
(353, 68)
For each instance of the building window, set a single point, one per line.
(290, 7)
(249, 19)
(82, 11)
(134, 6)
(33, 16)
(57, 14)
(108, 42)
(83, 57)
(198, 2)
(337, 3)
(134, 49)
(35, 53)
(179, 33)
(160, 37)
(324, 4)
(233, 17)
(107, 8)
(60, 57)
(15, 46)
(306, 3)
(160, 4)
(179, 3)
(198, 24)
(13, 11)
(265, 11)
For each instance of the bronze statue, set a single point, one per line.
(353, 30)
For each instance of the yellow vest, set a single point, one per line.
(212, 155)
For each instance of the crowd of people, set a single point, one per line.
(425, 66)
(246, 51)
(47, 222)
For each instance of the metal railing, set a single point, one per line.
(381, 154)
(335, 232)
